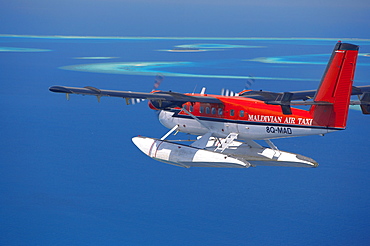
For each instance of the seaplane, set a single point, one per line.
(227, 127)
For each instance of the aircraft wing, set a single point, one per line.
(173, 97)
(296, 95)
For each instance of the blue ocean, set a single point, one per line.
(70, 175)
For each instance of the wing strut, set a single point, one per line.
(169, 132)
(195, 118)
(226, 142)
(201, 143)
(273, 146)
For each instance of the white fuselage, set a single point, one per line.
(245, 130)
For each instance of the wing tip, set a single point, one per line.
(59, 89)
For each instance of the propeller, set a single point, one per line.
(157, 82)
(248, 84)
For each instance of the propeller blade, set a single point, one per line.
(157, 82)
(229, 93)
(250, 82)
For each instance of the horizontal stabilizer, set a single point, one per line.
(365, 103)
(297, 95)
(303, 103)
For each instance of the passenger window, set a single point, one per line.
(220, 111)
(213, 111)
(191, 108)
(207, 110)
(241, 113)
(201, 110)
(232, 112)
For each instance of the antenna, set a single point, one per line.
(195, 88)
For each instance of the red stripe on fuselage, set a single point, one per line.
(247, 109)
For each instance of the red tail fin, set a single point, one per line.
(336, 87)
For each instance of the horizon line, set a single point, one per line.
(173, 37)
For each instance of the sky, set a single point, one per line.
(187, 18)
(70, 174)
